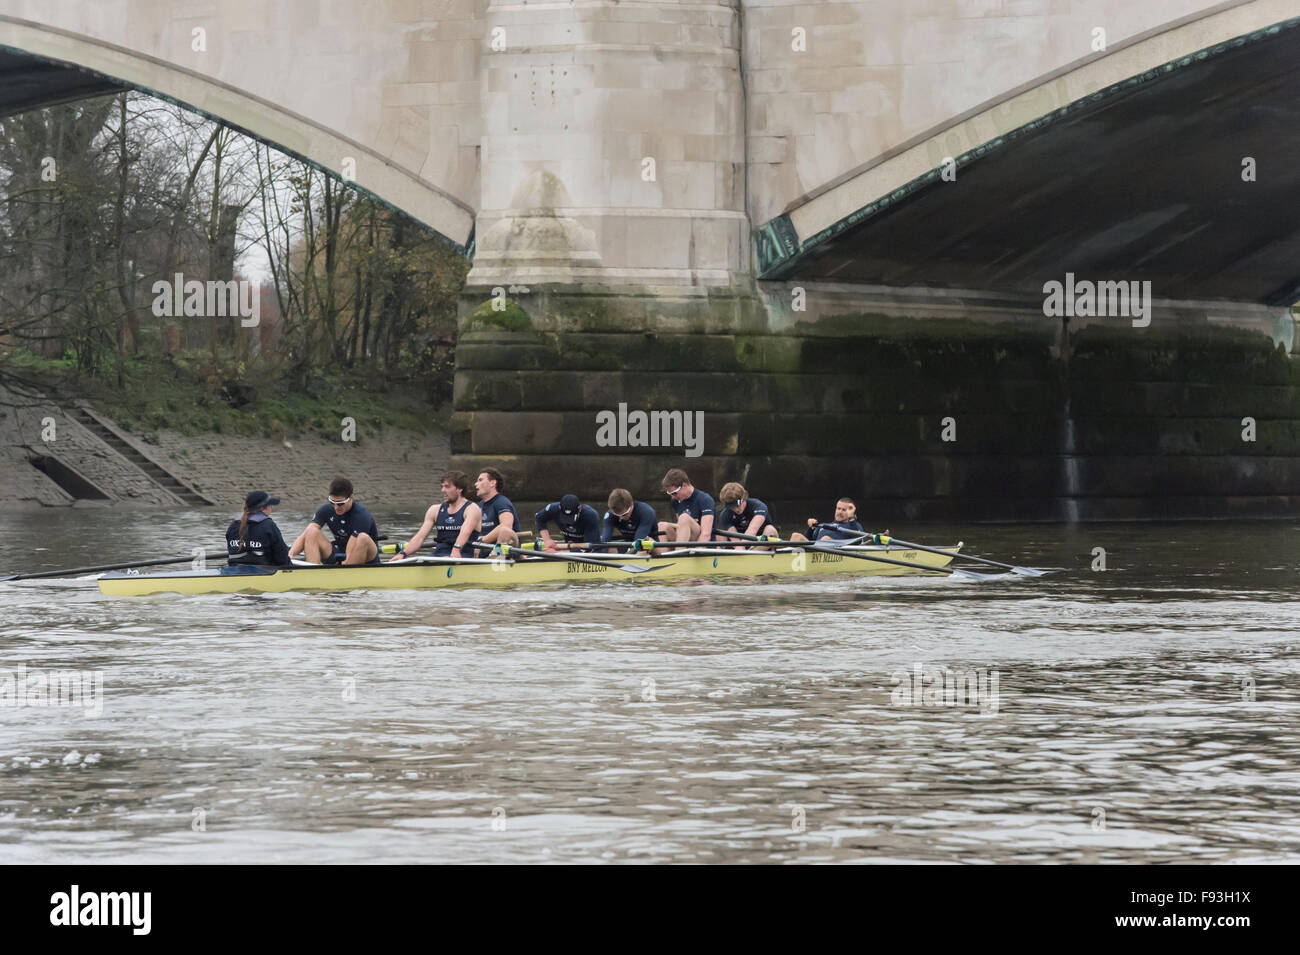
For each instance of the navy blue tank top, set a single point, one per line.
(448, 527)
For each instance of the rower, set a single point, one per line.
(744, 514)
(844, 527)
(498, 524)
(353, 530)
(254, 538)
(578, 522)
(447, 521)
(628, 519)
(694, 509)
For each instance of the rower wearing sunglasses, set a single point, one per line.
(352, 528)
(629, 520)
(695, 509)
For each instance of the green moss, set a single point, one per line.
(511, 318)
(187, 394)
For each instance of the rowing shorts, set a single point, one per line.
(341, 555)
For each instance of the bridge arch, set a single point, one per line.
(102, 66)
(1238, 73)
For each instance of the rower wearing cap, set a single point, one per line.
(578, 522)
(353, 530)
(744, 514)
(844, 527)
(498, 523)
(254, 538)
(695, 510)
(629, 520)
(452, 522)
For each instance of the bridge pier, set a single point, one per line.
(926, 405)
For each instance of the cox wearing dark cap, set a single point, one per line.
(254, 538)
(578, 522)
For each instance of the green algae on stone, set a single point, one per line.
(511, 318)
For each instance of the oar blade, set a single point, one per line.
(974, 575)
(641, 569)
(1029, 572)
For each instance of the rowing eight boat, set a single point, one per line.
(703, 563)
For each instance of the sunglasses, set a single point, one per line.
(339, 503)
(673, 490)
(625, 513)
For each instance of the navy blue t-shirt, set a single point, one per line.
(265, 543)
(492, 511)
(641, 523)
(729, 520)
(345, 526)
(836, 531)
(583, 526)
(697, 505)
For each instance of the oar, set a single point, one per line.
(817, 548)
(627, 568)
(71, 571)
(1022, 571)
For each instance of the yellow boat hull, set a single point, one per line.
(526, 573)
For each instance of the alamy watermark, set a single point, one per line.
(24, 687)
(75, 907)
(1087, 299)
(651, 429)
(940, 686)
(213, 299)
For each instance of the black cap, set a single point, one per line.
(569, 504)
(257, 500)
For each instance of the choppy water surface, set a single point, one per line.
(494, 727)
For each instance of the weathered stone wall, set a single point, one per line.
(613, 146)
(23, 429)
(1097, 420)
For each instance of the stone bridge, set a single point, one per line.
(827, 226)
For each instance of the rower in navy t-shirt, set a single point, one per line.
(499, 523)
(447, 522)
(744, 514)
(694, 509)
(352, 529)
(254, 538)
(629, 520)
(844, 527)
(578, 522)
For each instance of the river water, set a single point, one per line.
(1149, 712)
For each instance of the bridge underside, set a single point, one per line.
(919, 373)
(1143, 181)
(29, 83)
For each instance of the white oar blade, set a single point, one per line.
(973, 575)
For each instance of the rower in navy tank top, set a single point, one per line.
(447, 528)
(453, 523)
